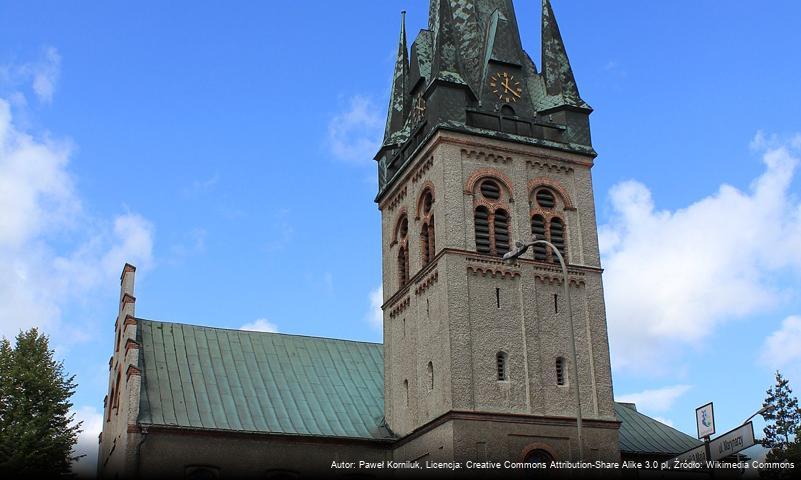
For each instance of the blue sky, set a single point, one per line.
(226, 151)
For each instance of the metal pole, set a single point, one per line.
(521, 249)
(566, 294)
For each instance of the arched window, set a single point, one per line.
(547, 224)
(491, 218)
(561, 373)
(403, 251)
(501, 365)
(427, 239)
(539, 456)
(201, 473)
(430, 372)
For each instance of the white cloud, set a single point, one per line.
(783, 347)
(656, 400)
(42, 75)
(51, 252)
(45, 75)
(375, 316)
(87, 444)
(672, 277)
(260, 325)
(355, 134)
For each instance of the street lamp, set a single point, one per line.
(513, 255)
(765, 409)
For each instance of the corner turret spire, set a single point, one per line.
(446, 64)
(559, 80)
(398, 103)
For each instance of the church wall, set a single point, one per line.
(173, 455)
(433, 445)
(501, 439)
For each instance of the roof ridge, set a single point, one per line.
(260, 332)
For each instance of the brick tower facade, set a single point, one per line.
(482, 149)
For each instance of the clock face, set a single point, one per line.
(506, 86)
(418, 108)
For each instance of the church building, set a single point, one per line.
(481, 148)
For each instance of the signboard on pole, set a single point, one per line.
(732, 442)
(697, 454)
(727, 444)
(705, 420)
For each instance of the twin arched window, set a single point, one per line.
(491, 218)
(546, 224)
(427, 238)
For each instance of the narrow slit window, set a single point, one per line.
(430, 371)
(555, 303)
(406, 391)
(498, 297)
(561, 374)
(501, 364)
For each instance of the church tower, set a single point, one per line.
(481, 149)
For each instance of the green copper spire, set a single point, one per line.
(559, 80)
(398, 102)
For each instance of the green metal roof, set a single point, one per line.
(211, 378)
(234, 380)
(642, 434)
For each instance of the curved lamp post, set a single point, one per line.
(515, 254)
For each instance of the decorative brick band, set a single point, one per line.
(427, 283)
(544, 163)
(399, 307)
(396, 200)
(553, 279)
(492, 271)
(488, 157)
(422, 169)
(553, 184)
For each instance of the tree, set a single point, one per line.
(783, 429)
(37, 431)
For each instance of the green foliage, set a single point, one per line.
(37, 433)
(783, 429)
